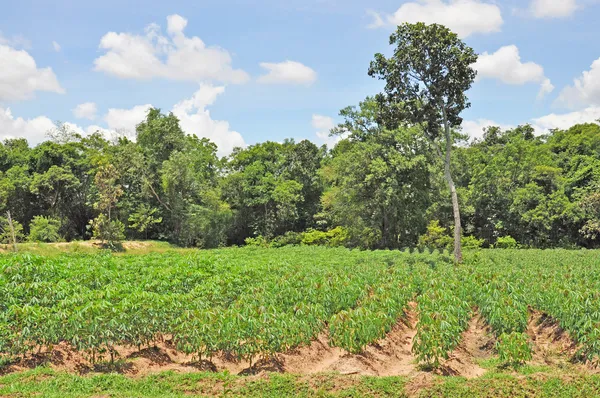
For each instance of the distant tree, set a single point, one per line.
(379, 181)
(426, 80)
(144, 218)
(44, 229)
(11, 231)
(104, 227)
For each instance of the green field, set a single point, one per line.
(300, 321)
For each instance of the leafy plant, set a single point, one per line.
(44, 229)
(514, 348)
(506, 242)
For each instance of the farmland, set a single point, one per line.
(300, 311)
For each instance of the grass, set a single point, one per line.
(90, 247)
(49, 383)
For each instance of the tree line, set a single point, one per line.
(378, 187)
(387, 183)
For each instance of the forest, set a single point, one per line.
(377, 188)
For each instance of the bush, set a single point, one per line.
(506, 242)
(334, 237)
(109, 231)
(259, 241)
(289, 238)
(436, 237)
(44, 229)
(471, 242)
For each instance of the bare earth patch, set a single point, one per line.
(551, 344)
(477, 344)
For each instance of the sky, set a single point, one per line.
(246, 71)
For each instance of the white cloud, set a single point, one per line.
(87, 110)
(553, 8)
(506, 66)
(585, 90)
(541, 125)
(564, 121)
(323, 125)
(474, 128)
(20, 77)
(56, 46)
(126, 120)
(376, 20)
(464, 17)
(287, 72)
(194, 118)
(33, 129)
(174, 56)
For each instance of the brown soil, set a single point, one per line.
(551, 344)
(477, 344)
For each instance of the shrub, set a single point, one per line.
(436, 237)
(289, 238)
(259, 241)
(334, 237)
(471, 242)
(109, 231)
(44, 229)
(506, 242)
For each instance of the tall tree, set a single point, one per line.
(378, 181)
(426, 80)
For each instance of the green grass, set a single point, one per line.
(515, 386)
(48, 383)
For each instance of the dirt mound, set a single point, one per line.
(391, 356)
(551, 344)
(477, 344)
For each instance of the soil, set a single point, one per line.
(477, 344)
(551, 344)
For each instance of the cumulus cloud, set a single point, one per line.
(87, 110)
(174, 56)
(125, 121)
(287, 72)
(56, 46)
(474, 128)
(464, 17)
(33, 129)
(541, 125)
(565, 120)
(20, 77)
(323, 125)
(193, 117)
(506, 65)
(553, 8)
(585, 90)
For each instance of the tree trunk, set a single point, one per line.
(13, 235)
(455, 208)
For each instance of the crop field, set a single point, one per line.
(301, 311)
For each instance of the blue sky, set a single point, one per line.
(241, 71)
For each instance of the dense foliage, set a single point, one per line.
(255, 302)
(382, 187)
